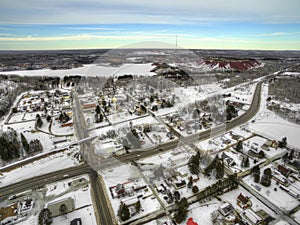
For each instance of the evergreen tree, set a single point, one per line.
(194, 163)
(63, 209)
(138, 206)
(123, 212)
(239, 145)
(45, 217)
(219, 168)
(195, 189)
(9, 146)
(98, 110)
(247, 162)
(182, 211)
(256, 177)
(25, 143)
(267, 177)
(190, 183)
(38, 122)
(48, 118)
(177, 196)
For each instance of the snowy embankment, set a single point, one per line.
(50, 164)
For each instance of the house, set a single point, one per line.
(89, 105)
(55, 207)
(68, 124)
(251, 217)
(226, 209)
(256, 152)
(228, 160)
(108, 148)
(9, 214)
(243, 201)
(279, 178)
(191, 222)
(195, 177)
(58, 140)
(284, 171)
(268, 144)
(76, 221)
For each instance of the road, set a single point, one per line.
(102, 212)
(101, 204)
(39, 181)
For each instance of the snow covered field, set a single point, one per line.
(272, 126)
(91, 70)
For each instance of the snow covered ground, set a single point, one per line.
(280, 198)
(272, 126)
(201, 212)
(91, 70)
(79, 190)
(296, 216)
(52, 163)
(130, 178)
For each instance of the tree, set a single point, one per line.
(255, 169)
(9, 145)
(45, 217)
(219, 168)
(239, 145)
(247, 162)
(138, 206)
(38, 121)
(181, 213)
(282, 143)
(98, 110)
(194, 163)
(190, 183)
(123, 212)
(261, 154)
(256, 177)
(267, 177)
(63, 209)
(48, 118)
(195, 189)
(14, 110)
(25, 143)
(231, 112)
(177, 196)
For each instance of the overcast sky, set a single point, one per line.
(215, 24)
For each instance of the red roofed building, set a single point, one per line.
(191, 222)
(284, 171)
(243, 201)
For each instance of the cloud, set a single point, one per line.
(94, 28)
(280, 34)
(6, 35)
(86, 37)
(145, 11)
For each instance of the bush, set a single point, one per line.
(195, 189)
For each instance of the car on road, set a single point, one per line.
(13, 197)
